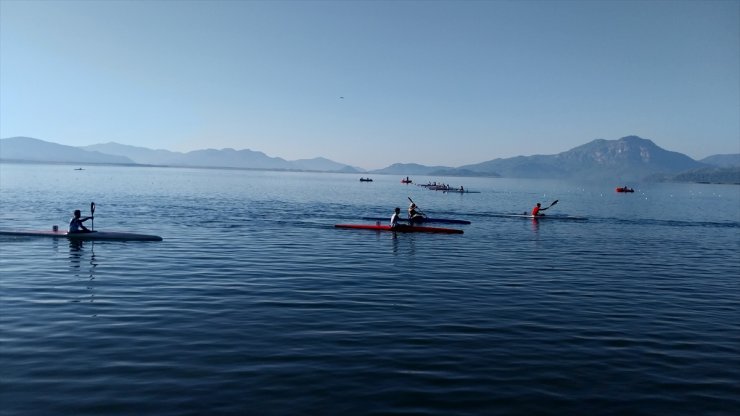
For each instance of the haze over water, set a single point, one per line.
(255, 304)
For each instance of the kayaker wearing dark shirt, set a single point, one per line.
(536, 210)
(414, 216)
(75, 224)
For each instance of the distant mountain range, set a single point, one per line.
(630, 158)
(35, 150)
(627, 159)
(227, 158)
(723, 161)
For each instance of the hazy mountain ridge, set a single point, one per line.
(141, 155)
(630, 158)
(406, 169)
(231, 158)
(409, 169)
(723, 161)
(35, 150)
(727, 175)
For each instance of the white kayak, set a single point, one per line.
(93, 235)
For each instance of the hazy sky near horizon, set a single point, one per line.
(370, 83)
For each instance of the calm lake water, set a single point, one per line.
(254, 304)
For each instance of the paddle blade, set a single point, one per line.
(553, 203)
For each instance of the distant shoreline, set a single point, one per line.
(438, 174)
(139, 165)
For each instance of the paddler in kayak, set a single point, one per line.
(414, 215)
(75, 224)
(395, 217)
(536, 210)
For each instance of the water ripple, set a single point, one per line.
(255, 304)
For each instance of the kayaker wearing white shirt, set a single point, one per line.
(395, 217)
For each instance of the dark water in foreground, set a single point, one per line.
(255, 304)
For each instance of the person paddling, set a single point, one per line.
(414, 215)
(75, 224)
(536, 210)
(395, 217)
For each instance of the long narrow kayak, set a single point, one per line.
(437, 220)
(400, 228)
(94, 235)
(542, 217)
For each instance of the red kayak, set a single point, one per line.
(625, 189)
(400, 228)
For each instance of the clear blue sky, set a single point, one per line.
(430, 82)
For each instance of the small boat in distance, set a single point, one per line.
(366, 180)
(79, 169)
(407, 180)
(624, 189)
